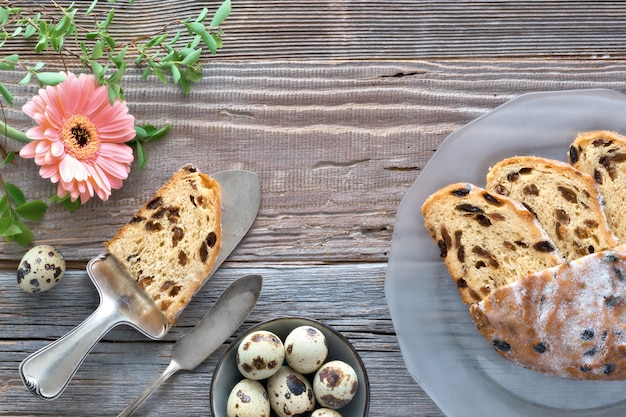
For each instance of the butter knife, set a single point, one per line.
(219, 323)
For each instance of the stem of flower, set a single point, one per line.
(12, 133)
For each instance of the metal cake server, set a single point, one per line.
(48, 371)
(226, 315)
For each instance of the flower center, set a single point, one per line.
(80, 137)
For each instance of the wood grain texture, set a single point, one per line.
(336, 145)
(125, 362)
(365, 29)
(337, 105)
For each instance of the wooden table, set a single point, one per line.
(337, 105)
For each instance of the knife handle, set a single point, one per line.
(47, 372)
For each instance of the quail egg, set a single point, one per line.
(248, 399)
(325, 412)
(290, 393)
(335, 384)
(260, 354)
(305, 349)
(41, 268)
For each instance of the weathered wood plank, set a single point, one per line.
(347, 297)
(336, 145)
(308, 29)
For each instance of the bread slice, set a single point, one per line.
(564, 199)
(602, 155)
(567, 321)
(171, 243)
(486, 240)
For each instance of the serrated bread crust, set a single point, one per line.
(172, 242)
(602, 155)
(566, 321)
(565, 201)
(486, 240)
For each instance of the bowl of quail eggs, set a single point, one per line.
(290, 367)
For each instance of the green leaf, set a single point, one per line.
(26, 235)
(6, 94)
(175, 38)
(98, 70)
(140, 133)
(119, 58)
(209, 42)
(98, 49)
(32, 210)
(175, 74)
(30, 31)
(221, 14)
(26, 78)
(185, 85)
(159, 74)
(203, 14)
(67, 202)
(5, 223)
(196, 28)
(15, 193)
(116, 77)
(62, 27)
(110, 41)
(158, 134)
(17, 31)
(51, 78)
(194, 73)
(4, 204)
(11, 230)
(142, 158)
(91, 7)
(113, 94)
(218, 39)
(192, 58)
(8, 158)
(109, 19)
(9, 62)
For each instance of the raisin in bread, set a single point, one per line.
(486, 240)
(171, 243)
(567, 321)
(565, 201)
(602, 155)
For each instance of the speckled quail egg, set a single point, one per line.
(248, 399)
(260, 354)
(325, 412)
(335, 384)
(41, 268)
(305, 349)
(290, 393)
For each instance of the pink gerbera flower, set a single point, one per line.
(79, 138)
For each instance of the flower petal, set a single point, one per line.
(79, 137)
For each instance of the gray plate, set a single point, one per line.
(442, 349)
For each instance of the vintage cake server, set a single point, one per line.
(47, 372)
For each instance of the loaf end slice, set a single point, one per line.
(173, 240)
(566, 321)
(602, 155)
(565, 201)
(486, 240)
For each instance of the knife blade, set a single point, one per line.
(226, 315)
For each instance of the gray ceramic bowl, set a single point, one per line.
(226, 374)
